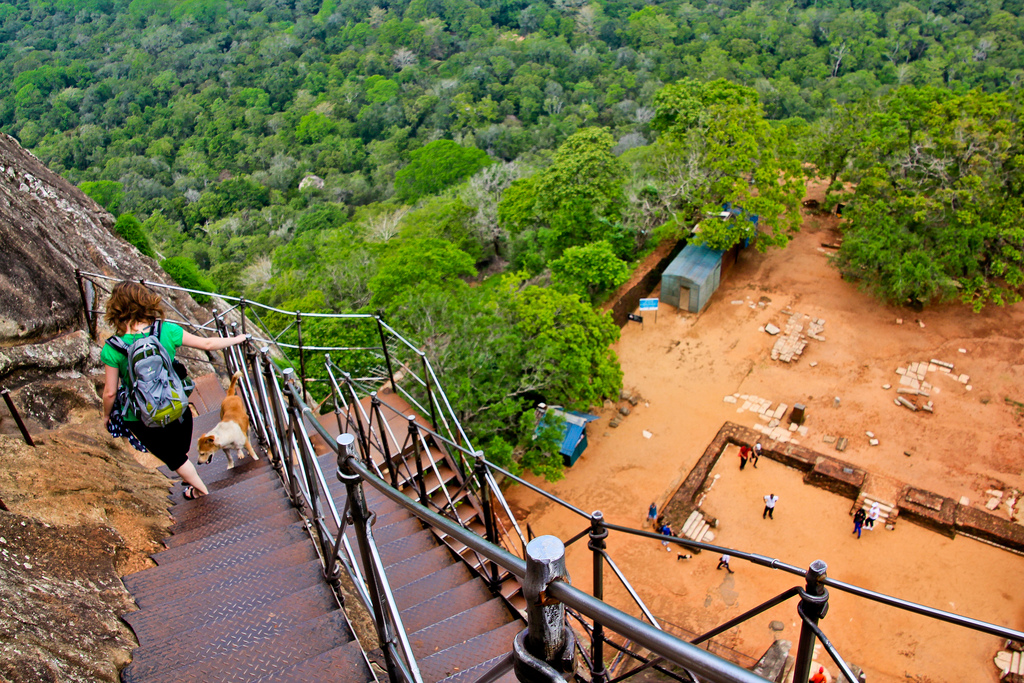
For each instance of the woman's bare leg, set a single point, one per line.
(189, 475)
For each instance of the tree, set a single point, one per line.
(106, 193)
(935, 213)
(417, 263)
(185, 272)
(436, 166)
(590, 268)
(129, 228)
(736, 156)
(573, 201)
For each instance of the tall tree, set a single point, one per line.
(736, 156)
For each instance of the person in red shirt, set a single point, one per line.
(819, 677)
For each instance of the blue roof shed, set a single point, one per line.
(691, 279)
(574, 432)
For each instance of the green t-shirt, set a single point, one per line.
(171, 336)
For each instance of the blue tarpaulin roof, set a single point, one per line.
(573, 425)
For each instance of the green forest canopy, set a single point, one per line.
(525, 142)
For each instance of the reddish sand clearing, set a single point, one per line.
(683, 366)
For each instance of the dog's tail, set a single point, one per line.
(234, 381)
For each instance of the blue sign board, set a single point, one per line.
(648, 304)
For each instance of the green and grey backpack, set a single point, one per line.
(155, 389)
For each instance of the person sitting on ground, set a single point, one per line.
(131, 311)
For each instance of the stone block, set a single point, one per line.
(901, 371)
(873, 442)
(771, 329)
(730, 399)
(963, 379)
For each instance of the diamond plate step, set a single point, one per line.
(439, 607)
(457, 628)
(212, 563)
(231, 519)
(238, 534)
(414, 568)
(474, 673)
(245, 494)
(434, 583)
(342, 664)
(210, 586)
(470, 653)
(153, 625)
(407, 547)
(222, 636)
(253, 661)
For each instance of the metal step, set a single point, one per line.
(206, 566)
(474, 673)
(211, 586)
(251, 627)
(238, 534)
(443, 605)
(248, 493)
(257, 660)
(153, 625)
(458, 628)
(439, 581)
(229, 520)
(343, 664)
(465, 655)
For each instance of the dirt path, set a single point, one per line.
(684, 365)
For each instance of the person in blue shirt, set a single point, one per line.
(131, 309)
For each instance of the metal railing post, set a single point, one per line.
(598, 534)
(17, 418)
(387, 356)
(414, 434)
(430, 393)
(89, 320)
(361, 520)
(812, 607)
(485, 502)
(545, 650)
(391, 465)
(302, 355)
(288, 457)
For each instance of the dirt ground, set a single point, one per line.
(684, 365)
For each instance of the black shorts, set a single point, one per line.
(171, 443)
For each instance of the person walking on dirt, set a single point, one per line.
(744, 454)
(652, 514)
(873, 515)
(769, 506)
(858, 521)
(724, 562)
(756, 455)
(666, 530)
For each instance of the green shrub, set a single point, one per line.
(129, 227)
(185, 272)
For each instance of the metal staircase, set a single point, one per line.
(389, 490)
(240, 592)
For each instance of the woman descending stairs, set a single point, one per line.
(239, 593)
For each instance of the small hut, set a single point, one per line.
(574, 430)
(691, 279)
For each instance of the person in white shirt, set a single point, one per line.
(724, 562)
(872, 516)
(769, 506)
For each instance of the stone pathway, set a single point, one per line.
(770, 416)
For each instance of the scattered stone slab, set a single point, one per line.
(829, 439)
(771, 329)
(841, 444)
(730, 399)
(647, 434)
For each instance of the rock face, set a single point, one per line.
(80, 509)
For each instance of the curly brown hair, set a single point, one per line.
(132, 302)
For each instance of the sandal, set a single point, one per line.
(190, 493)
